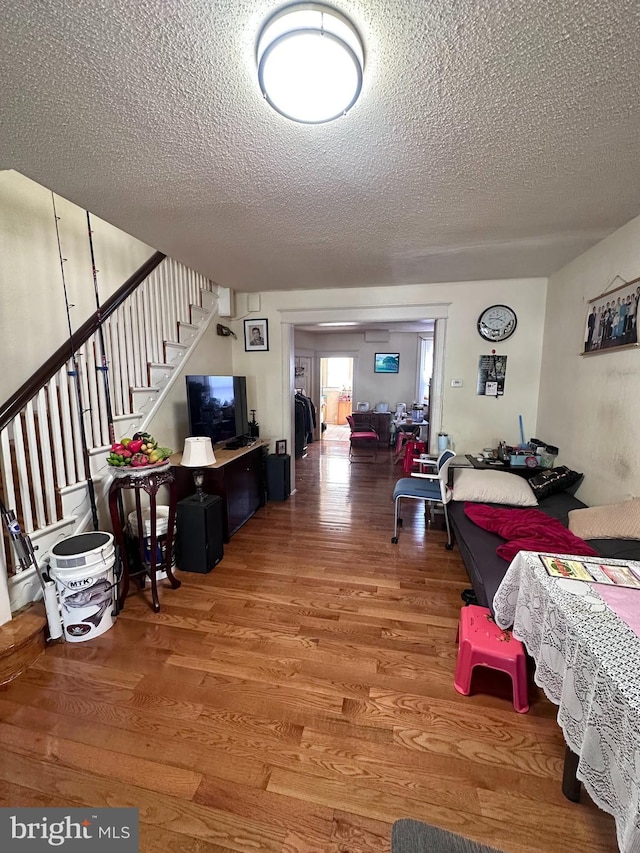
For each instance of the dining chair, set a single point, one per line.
(430, 488)
(362, 435)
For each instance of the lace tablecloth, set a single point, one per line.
(587, 663)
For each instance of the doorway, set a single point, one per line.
(336, 395)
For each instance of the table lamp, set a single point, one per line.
(198, 454)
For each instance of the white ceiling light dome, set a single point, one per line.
(310, 63)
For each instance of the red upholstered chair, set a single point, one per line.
(362, 436)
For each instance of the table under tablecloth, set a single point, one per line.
(588, 663)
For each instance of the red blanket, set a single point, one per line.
(527, 530)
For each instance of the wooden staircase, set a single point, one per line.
(42, 466)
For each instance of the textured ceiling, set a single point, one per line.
(492, 139)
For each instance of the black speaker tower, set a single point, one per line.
(200, 537)
(278, 477)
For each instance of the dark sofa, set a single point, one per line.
(478, 546)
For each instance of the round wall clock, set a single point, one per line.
(497, 323)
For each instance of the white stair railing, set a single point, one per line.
(41, 458)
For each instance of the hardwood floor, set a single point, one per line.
(298, 698)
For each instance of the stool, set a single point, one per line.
(483, 643)
(412, 450)
(404, 433)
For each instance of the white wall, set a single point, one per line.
(33, 320)
(212, 355)
(474, 422)
(589, 405)
(367, 385)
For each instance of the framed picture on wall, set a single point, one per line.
(386, 362)
(612, 319)
(256, 335)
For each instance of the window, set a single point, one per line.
(425, 369)
(339, 372)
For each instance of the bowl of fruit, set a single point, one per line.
(138, 455)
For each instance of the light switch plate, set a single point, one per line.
(456, 383)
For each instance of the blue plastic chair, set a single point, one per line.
(430, 488)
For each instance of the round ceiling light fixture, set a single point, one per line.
(310, 63)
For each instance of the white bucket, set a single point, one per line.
(82, 567)
(162, 525)
(162, 521)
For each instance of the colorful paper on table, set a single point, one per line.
(618, 575)
(561, 568)
(591, 570)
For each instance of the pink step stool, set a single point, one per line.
(483, 643)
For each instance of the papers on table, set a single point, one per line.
(592, 570)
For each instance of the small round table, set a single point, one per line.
(148, 480)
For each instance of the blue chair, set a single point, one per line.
(430, 488)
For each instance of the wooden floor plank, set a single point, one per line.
(184, 759)
(375, 804)
(403, 764)
(297, 699)
(358, 834)
(122, 767)
(309, 823)
(160, 810)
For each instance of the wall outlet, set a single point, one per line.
(456, 383)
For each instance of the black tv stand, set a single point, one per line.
(237, 477)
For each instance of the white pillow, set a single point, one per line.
(492, 487)
(615, 521)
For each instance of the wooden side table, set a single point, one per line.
(148, 480)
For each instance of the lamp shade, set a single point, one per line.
(198, 452)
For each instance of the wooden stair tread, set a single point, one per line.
(22, 640)
(21, 628)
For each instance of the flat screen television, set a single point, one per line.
(217, 407)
